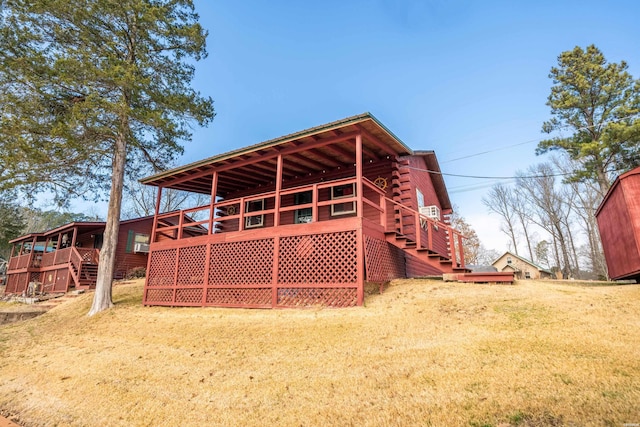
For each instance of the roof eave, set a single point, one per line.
(360, 118)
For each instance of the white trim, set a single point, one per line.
(335, 197)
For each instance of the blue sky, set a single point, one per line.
(456, 77)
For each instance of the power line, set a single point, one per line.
(505, 147)
(492, 177)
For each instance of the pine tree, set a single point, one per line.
(92, 90)
(598, 103)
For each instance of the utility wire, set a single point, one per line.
(505, 147)
(491, 177)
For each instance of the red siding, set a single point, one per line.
(421, 179)
(619, 224)
(126, 261)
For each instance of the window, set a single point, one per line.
(141, 238)
(136, 242)
(341, 192)
(304, 215)
(254, 220)
(420, 198)
(508, 260)
(527, 275)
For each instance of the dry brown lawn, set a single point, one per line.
(424, 353)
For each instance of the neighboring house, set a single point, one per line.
(68, 256)
(481, 268)
(521, 267)
(618, 219)
(304, 219)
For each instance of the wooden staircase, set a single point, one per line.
(422, 259)
(83, 270)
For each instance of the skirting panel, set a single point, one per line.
(384, 261)
(289, 271)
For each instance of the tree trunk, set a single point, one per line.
(102, 298)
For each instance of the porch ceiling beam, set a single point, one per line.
(375, 141)
(239, 177)
(264, 171)
(195, 188)
(369, 153)
(341, 152)
(333, 162)
(314, 163)
(206, 170)
(292, 169)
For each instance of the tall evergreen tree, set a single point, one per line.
(91, 90)
(598, 103)
(11, 223)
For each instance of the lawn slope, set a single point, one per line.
(423, 353)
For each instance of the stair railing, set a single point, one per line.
(423, 222)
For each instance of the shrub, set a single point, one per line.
(136, 273)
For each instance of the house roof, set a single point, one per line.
(85, 226)
(615, 184)
(523, 260)
(314, 150)
(437, 179)
(481, 268)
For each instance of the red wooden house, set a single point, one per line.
(301, 220)
(67, 257)
(618, 219)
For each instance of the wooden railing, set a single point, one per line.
(180, 224)
(60, 256)
(423, 229)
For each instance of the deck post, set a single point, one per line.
(461, 250)
(418, 226)
(276, 214)
(453, 251)
(155, 218)
(33, 246)
(360, 213)
(276, 267)
(214, 191)
(207, 256)
(73, 238)
(314, 200)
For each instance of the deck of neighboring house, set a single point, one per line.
(67, 257)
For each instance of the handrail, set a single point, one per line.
(421, 221)
(456, 250)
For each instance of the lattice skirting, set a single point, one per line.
(319, 269)
(384, 261)
(16, 283)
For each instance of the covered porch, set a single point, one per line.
(56, 260)
(302, 220)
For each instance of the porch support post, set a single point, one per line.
(276, 214)
(33, 247)
(207, 253)
(276, 266)
(359, 202)
(214, 191)
(360, 214)
(155, 217)
(453, 249)
(73, 238)
(151, 240)
(461, 248)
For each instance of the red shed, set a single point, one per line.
(68, 256)
(301, 220)
(618, 219)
